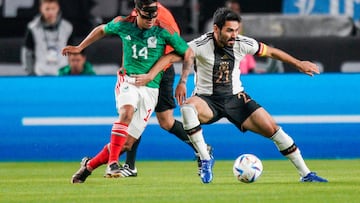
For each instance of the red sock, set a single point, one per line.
(101, 158)
(118, 138)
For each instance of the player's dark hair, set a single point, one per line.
(223, 14)
(142, 3)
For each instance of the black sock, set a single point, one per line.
(131, 155)
(179, 132)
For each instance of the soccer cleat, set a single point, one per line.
(312, 177)
(81, 175)
(210, 150)
(126, 171)
(206, 174)
(112, 171)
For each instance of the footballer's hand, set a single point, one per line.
(142, 79)
(180, 93)
(71, 50)
(308, 68)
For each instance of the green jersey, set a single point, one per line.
(143, 47)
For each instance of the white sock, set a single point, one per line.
(199, 143)
(298, 162)
(283, 141)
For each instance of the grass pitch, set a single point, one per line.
(177, 181)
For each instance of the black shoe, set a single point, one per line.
(126, 171)
(81, 175)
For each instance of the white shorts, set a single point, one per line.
(143, 99)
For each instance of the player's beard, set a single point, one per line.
(225, 41)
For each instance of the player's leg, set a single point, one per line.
(262, 123)
(87, 164)
(128, 168)
(164, 114)
(119, 134)
(127, 100)
(169, 123)
(193, 111)
(130, 148)
(165, 111)
(165, 108)
(146, 106)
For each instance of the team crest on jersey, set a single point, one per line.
(125, 89)
(128, 37)
(152, 41)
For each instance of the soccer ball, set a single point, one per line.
(247, 168)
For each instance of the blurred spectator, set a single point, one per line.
(77, 65)
(46, 34)
(234, 5)
(248, 63)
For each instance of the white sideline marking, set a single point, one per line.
(64, 121)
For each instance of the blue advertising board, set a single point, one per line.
(66, 118)
(331, 7)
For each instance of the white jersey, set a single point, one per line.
(217, 69)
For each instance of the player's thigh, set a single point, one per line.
(166, 97)
(261, 122)
(144, 109)
(128, 95)
(205, 113)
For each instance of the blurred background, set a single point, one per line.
(65, 118)
(324, 31)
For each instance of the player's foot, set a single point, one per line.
(312, 177)
(206, 174)
(81, 175)
(112, 171)
(126, 171)
(210, 150)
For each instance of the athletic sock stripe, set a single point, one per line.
(118, 134)
(289, 150)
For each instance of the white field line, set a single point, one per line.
(298, 119)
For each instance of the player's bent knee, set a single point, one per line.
(189, 116)
(166, 124)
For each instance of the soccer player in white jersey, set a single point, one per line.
(219, 92)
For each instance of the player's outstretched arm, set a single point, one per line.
(180, 92)
(96, 34)
(306, 67)
(165, 60)
(143, 79)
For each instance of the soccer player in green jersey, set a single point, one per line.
(144, 39)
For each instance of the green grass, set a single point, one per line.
(164, 181)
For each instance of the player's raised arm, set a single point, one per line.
(306, 67)
(96, 34)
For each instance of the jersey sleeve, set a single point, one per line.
(249, 45)
(193, 46)
(197, 42)
(178, 43)
(113, 26)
